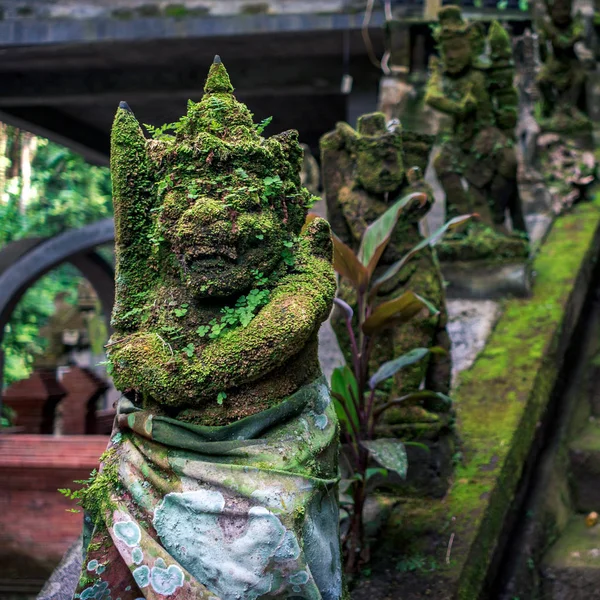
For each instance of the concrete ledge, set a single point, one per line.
(500, 404)
(504, 396)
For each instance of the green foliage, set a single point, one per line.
(260, 127)
(354, 387)
(418, 563)
(7, 416)
(273, 187)
(181, 312)
(389, 453)
(67, 192)
(240, 315)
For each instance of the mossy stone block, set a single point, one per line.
(584, 456)
(572, 566)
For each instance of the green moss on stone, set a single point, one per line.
(255, 9)
(204, 216)
(500, 401)
(176, 10)
(482, 243)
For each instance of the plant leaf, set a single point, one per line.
(377, 235)
(345, 307)
(432, 240)
(343, 386)
(394, 312)
(346, 263)
(390, 368)
(389, 453)
(372, 471)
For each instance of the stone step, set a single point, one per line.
(584, 458)
(571, 568)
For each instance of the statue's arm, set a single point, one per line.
(296, 308)
(436, 97)
(133, 197)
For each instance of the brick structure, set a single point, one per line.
(34, 401)
(76, 412)
(104, 421)
(35, 527)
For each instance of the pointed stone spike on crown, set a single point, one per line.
(499, 39)
(218, 81)
(125, 106)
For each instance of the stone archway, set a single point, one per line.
(24, 262)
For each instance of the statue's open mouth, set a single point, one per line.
(215, 262)
(205, 254)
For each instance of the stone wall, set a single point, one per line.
(35, 526)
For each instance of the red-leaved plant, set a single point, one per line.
(354, 387)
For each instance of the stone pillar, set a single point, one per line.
(34, 401)
(78, 408)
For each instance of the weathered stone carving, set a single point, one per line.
(476, 90)
(364, 171)
(562, 78)
(220, 478)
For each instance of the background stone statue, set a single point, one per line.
(477, 92)
(563, 76)
(364, 172)
(220, 480)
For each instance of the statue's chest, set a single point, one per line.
(456, 89)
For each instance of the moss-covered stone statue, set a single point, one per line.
(220, 477)
(477, 91)
(563, 77)
(364, 171)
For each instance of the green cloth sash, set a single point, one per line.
(245, 511)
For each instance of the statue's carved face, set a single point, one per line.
(379, 164)
(560, 13)
(221, 244)
(456, 54)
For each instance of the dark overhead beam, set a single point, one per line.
(251, 77)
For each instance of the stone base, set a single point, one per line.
(483, 244)
(572, 568)
(584, 459)
(479, 280)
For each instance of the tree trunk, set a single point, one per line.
(28, 146)
(3, 158)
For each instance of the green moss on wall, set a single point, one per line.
(500, 401)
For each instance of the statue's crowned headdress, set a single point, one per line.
(222, 201)
(500, 44)
(450, 24)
